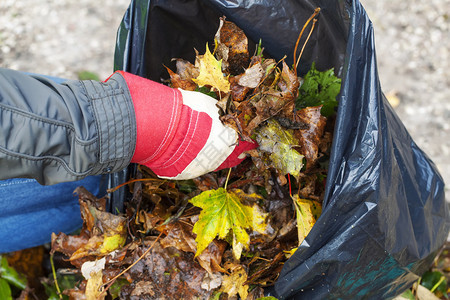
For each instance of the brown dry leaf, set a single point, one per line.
(234, 283)
(310, 138)
(252, 76)
(206, 182)
(183, 84)
(232, 47)
(101, 234)
(186, 69)
(148, 220)
(68, 244)
(288, 83)
(110, 234)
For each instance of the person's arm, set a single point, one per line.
(65, 132)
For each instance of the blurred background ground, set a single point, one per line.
(63, 37)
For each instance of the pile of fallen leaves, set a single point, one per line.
(226, 233)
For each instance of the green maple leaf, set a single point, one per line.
(319, 88)
(278, 143)
(223, 213)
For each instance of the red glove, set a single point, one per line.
(179, 134)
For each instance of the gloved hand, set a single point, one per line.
(179, 134)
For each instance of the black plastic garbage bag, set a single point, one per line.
(384, 216)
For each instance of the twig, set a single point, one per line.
(316, 11)
(109, 283)
(112, 190)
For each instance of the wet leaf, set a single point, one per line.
(288, 83)
(232, 47)
(101, 234)
(307, 213)
(224, 213)
(238, 92)
(109, 234)
(211, 72)
(165, 273)
(180, 236)
(279, 144)
(311, 136)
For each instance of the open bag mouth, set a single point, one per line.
(384, 213)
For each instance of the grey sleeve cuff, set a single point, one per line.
(115, 121)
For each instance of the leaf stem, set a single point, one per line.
(437, 284)
(54, 277)
(304, 45)
(228, 177)
(316, 11)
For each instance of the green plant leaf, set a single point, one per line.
(319, 88)
(278, 143)
(114, 290)
(408, 294)
(435, 281)
(224, 213)
(11, 275)
(5, 290)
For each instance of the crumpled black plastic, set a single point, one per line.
(385, 215)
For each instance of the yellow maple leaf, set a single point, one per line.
(307, 213)
(222, 213)
(211, 72)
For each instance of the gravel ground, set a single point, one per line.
(63, 37)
